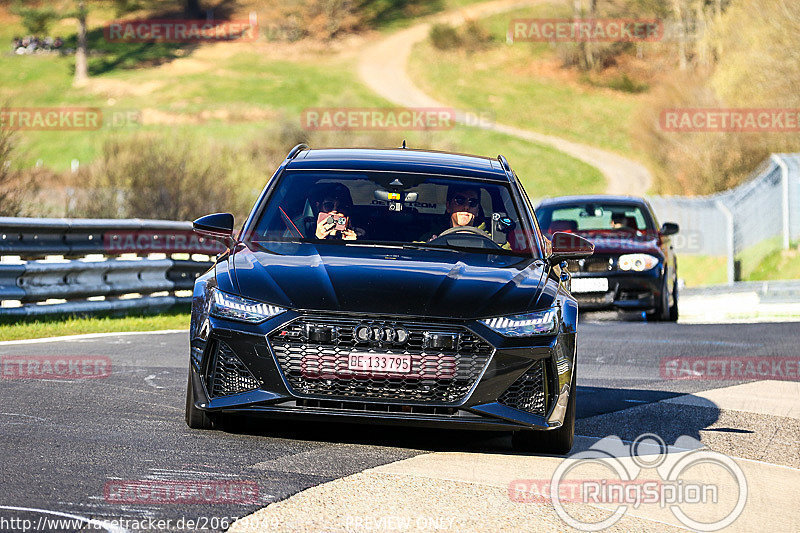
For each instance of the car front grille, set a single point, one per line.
(591, 264)
(228, 374)
(320, 368)
(529, 392)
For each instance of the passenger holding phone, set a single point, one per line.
(333, 206)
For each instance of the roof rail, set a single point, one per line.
(296, 150)
(504, 162)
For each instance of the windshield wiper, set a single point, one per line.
(426, 246)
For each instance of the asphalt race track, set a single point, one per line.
(65, 442)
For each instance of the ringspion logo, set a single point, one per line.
(705, 490)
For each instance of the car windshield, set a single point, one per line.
(393, 209)
(625, 218)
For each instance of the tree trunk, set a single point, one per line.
(81, 53)
(577, 14)
(590, 45)
(680, 25)
(701, 37)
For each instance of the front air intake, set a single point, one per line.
(228, 374)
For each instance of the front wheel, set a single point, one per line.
(662, 310)
(673, 309)
(555, 441)
(196, 418)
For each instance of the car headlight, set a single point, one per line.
(233, 307)
(538, 323)
(637, 262)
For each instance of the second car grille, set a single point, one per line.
(528, 392)
(437, 375)
(228, 374)
(591, 264)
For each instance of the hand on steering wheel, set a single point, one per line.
(472, 230)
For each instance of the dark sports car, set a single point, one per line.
(390, 286)
(634, 267)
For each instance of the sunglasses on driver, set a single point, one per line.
(461, 200)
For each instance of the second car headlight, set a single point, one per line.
(232, 307)
(637, 262)
(538, 323)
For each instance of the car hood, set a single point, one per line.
(387, 281)
(616, 242)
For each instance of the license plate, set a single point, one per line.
(379, 363)
(589, 284)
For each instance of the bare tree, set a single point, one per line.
(680, 24)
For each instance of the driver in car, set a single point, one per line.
(463, 208)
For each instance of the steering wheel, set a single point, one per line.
(472, 230)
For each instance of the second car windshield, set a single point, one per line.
(593, 217)
(393, 209)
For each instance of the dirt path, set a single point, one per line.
(383, 67)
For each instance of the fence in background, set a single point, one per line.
(56, 265)
(767, 206)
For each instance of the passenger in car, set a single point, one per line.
(333, 199)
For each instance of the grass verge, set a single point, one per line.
(177, 318)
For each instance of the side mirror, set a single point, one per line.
(218, 226)
(569, 246)
(669, 228)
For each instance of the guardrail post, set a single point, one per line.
(784, 197)
(731, 240)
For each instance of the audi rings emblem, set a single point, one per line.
(380, 333)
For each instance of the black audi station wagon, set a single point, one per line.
(389, 286)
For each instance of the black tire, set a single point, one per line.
(673, 309)
(196, 418)
(662, 310)
(552, 442)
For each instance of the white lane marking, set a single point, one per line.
(89, 521)
(36, 418)
(91, 336)
(149, 380)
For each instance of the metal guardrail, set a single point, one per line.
(87, 273)
(767, 291)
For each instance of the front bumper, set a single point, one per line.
(634, 291)
(512, 384)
